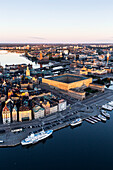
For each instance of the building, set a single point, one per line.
(53, 109)
(38, 112)
(6, 115)
(24, 113)
(67, 81)
(46, 107)
(14, 114)
(62, 105)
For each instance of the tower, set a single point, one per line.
(41, 57)
(107, 58)
(27, 71)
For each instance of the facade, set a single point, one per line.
(62, 105)
(24, 113)
(46, 107)
(14, 114)
(53, 109)
(6, 115)
(38, 112)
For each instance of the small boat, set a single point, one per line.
(111, 103)
(90, 121)
(96, 118)
(1, 141)
(104, 113)
(102, 117)
(107, 107)
(76, 122)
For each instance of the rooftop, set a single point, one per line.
(67, 78)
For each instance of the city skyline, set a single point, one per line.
(56, 22)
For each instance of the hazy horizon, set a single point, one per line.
(56, 21)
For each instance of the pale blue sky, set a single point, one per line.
(56, 21)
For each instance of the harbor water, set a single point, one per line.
(84, 147)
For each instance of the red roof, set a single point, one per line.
(5, 108)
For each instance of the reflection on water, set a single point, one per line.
(15, 58)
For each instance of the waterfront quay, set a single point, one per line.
(83, 109)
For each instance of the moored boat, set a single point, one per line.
(102, 117)
(104, 113)
(36, 137)
(1, 141)
(76, 122)
(107, 107)
(111, 103)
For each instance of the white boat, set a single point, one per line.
(76, 122)
(90, 121)
(104, 113)
(111, 103)
(107, 107)
(1, 141)
(102, 117)
(36, 137)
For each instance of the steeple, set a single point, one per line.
(27, 71)
(107, 58)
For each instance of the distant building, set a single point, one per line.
(41, 57)
(107, 58)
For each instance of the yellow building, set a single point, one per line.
(67, 81)
(84, 70)
(24, 113)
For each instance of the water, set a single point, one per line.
(85, 147)
(15, 58)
